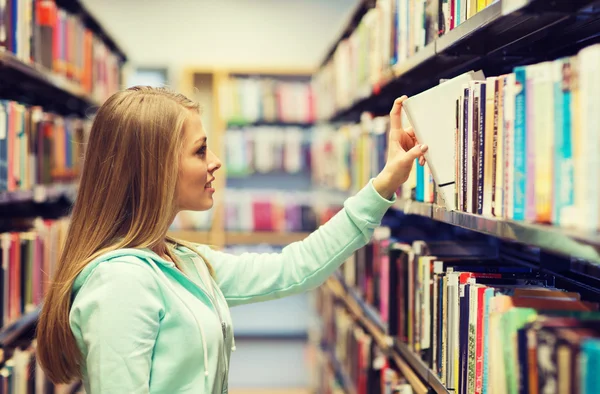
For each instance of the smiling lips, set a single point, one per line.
(209, 184)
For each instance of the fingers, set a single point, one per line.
(395, 113)
(416, 152)
(408, 139)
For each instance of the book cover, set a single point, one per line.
(520, 144)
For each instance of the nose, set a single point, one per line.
(214, 162)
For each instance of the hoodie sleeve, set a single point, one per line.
(115, 317)
(303, 265)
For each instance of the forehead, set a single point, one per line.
(193, 129)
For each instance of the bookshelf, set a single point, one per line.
(569, 242)
(240, 238)
(499, 37)
(206, 85)
(408, 363)
(496, 38)
(57, 66)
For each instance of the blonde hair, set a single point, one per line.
(126, 198)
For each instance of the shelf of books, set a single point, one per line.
(494, 285)
(261, 123)
(394, 46)
(57, 65)
(455, 317)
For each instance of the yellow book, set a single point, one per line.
(481, 4)
(544, 137)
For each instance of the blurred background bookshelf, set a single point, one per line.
(57, 65)
(298, 117)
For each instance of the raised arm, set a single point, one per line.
(304, 265)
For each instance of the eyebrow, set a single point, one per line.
(203, 140)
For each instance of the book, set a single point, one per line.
(438, 131)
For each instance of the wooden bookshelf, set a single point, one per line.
(201, 83)
(256, 238)
(240, 238)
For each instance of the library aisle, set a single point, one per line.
(482, 277)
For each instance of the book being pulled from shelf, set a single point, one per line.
(28, 261)
(46, 36)
(267, 149)
(37, 147)
(481, 325)
(349, 356)
(22, 374)
(266, 99)
(345, 158)
(526, 144)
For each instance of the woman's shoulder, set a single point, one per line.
(133, 267)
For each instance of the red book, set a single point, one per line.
(479, 340)
(263, 215)
(15, 278)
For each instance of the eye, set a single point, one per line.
(202, 151)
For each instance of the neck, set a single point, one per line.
(161, 249)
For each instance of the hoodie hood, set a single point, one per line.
(144, 254)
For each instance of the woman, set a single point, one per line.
(134, 311)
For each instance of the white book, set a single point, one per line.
(544, 141)
(509, 144)
(432, 115)
(453, 331)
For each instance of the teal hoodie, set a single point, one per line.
(143, 326)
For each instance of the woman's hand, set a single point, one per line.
(403, 149)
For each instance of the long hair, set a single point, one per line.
(126, 198)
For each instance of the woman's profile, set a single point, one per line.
(131, 310)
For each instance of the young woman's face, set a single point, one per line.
(195, 186)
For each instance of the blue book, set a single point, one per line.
(420, 182)
(564, 195)
(590, 378)
(520, 141)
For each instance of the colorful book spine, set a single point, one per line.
(520, 145)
